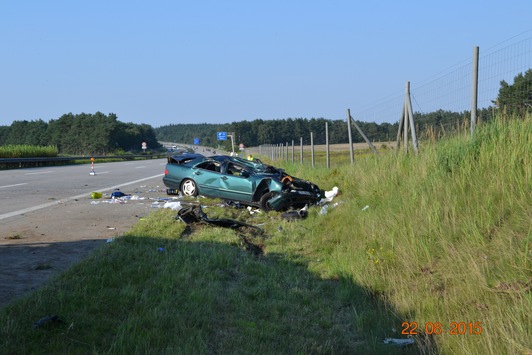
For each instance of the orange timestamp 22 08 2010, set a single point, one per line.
(453, 328)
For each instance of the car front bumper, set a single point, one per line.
(293, 199)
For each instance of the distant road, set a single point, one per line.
(26, 190)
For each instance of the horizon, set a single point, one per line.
(210, 62)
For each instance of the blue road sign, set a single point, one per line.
(222, 136)
(196, 141)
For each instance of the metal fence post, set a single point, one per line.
(474, 95)
(301, 150)
(351, 154)
(411, 117)
(312, 148)
(327, 144)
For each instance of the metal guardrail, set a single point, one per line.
(44, 161)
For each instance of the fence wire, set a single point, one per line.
(448, 91)
(451, 89)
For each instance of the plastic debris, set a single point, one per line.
(399, 342)
(365, 208)
(96, 195)
(110, 240)
(231, 203)
(295, 215)
(175, 206)
(49, 319)
(161, 249)
(116, 194)
(324, 209)
(329, 195)
(253, 211)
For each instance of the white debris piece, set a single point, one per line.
(332, 193)
(329, 195)
(175, 206)
(253, 211)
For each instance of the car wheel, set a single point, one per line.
(264, 205)
(189, 188)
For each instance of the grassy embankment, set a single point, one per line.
(444, 245)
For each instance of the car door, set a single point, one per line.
(207, 176)
(236, 182)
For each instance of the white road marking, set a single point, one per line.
(40, 172)
(24, 183)
(141, 167)
(49, 204)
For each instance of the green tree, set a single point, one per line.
(517, 97)
(4, 132)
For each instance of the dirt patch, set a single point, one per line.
(37, 246)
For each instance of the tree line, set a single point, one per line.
(100, 134)
(81, 134)
(91, 134)
(513, 99)
(257, 132)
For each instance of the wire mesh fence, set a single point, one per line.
(442, 103)
(451, 90)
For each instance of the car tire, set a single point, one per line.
(264, 205)
(189, 188)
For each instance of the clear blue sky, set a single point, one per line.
(163, 62)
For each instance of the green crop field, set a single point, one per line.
(434, 247)
(27, 151)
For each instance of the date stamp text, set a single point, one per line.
(451, 328)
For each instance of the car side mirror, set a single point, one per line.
(244, 174)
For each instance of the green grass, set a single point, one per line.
(27, 151)
(446, 238)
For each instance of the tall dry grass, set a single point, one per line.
(446, 236)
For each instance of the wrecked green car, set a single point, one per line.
(251, 183)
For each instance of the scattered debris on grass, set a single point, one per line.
(295, 214)
(47, 321)
(194, 214)
(191, 215)
(399, 342)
